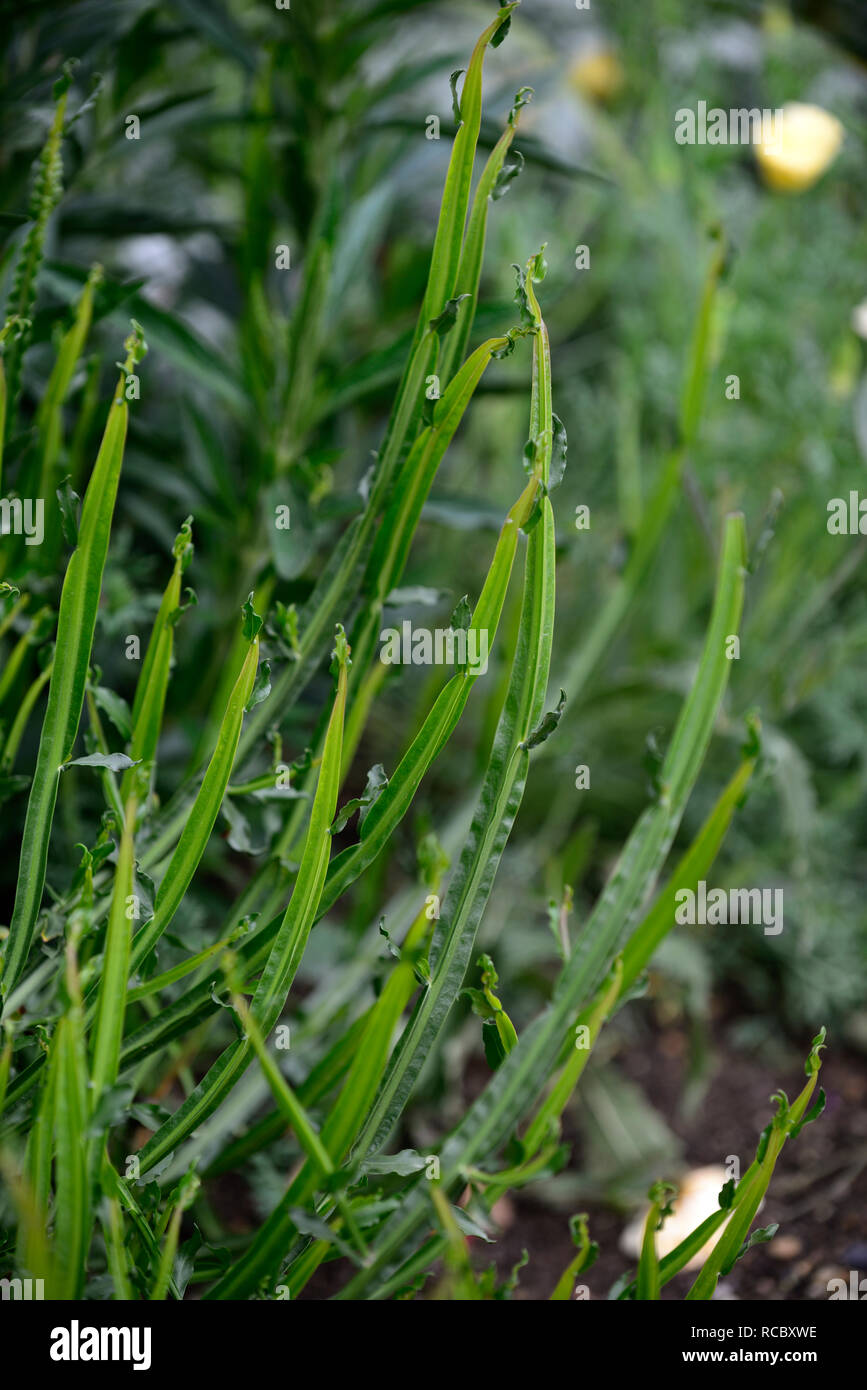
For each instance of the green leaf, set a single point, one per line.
(445, 258)
(402, 1164)
(647, 1283)
(558, 454)
(108, 1028)
(261, 687)
(112, 762)
(512, 166)
(117, 710)
(69, 503)
(495, 1052)
(760, 1236)
(812, 1114)
(445, 322)
(202, 816)
(152, 685)
(251, 621)
(522, 298)
(547, 724)
(502, 32)
(588, 1252)
(453, 84)
(32, 1253)
(694, 385)
(492, 184)
(76, 621)
(469, 1227)
(73, 1207)
(375, 785)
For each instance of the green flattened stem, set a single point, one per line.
(75, 627)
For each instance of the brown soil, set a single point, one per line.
(818, 1195)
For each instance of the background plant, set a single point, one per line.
(267, 388)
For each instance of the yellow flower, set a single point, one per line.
(805, 141)
(598, 74)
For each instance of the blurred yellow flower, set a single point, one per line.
(777, 21)
(805, 141)
(598, 74)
